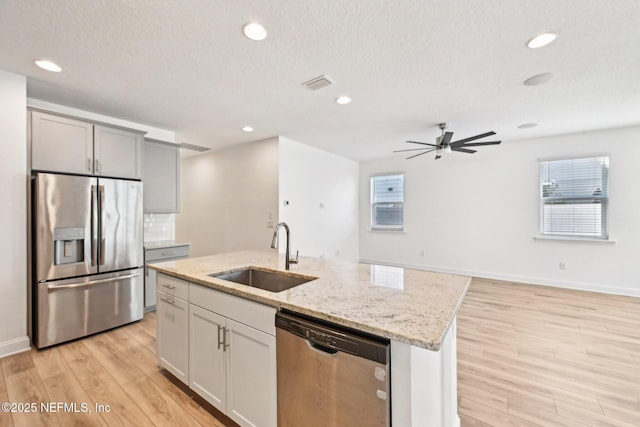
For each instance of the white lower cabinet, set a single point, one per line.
(251, 376)
(232, 366)
(222, 346)
(206, 357)
(172, 336)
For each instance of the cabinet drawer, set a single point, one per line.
(172, 286)
(256, 315)
(166, 253)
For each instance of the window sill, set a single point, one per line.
(576, 239)
(387, 230)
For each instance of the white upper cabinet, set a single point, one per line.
(62, 144)
(161, 177)
(117, 152)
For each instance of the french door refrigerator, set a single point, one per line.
(87, 255)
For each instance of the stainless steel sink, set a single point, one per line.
(272, 281)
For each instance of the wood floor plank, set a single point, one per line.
(5, 417)
(65, 388)
(27, 387)
(185, 399)
(123, 411)
(159, 406)
(17, 363)
(49, 362)
(3, 386)
(134, 351)
(80, 359)
(491, 416)
(121, 368)
(590, 419)
(575, 351)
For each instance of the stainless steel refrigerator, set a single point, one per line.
(87, 255)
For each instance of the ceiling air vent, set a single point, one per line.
(194, 147)
(319, 82)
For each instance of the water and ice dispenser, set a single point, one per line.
(68, 245)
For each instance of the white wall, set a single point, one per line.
(478, 215)
(227, 198)
(13, 214)
(322, 191)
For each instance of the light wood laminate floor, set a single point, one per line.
(542, 356)
(527, 356)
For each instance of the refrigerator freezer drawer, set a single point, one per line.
(69, 309)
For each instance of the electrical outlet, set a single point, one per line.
(562, 266)
(421, 253)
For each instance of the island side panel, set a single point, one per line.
(424, 384)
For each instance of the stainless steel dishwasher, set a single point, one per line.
(329, 375)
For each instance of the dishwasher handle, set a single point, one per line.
(321, 348)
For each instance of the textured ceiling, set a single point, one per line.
(407, 64)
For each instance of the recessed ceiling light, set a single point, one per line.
(538, 79)
(247, 129)
(255, 31)
(48, 65)
(527, 125)
(541, 40)
(343, 100)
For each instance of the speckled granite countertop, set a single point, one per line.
(411, 306)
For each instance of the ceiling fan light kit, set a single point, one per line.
(445, 145)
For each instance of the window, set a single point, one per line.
(387, 202)
(574, 197)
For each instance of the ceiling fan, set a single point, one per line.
(444, 145)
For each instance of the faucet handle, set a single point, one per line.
(294, 260)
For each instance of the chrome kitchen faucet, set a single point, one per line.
(274, 245)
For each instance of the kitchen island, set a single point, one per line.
(414, 309)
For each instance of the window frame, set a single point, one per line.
(605, 202)
(372, 205)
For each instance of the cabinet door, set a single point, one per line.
(251, 376)
(60, 144)
(206, 356)
(161, 177)
(118, 152)
(173, 335)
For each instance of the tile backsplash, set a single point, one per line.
(159, 227)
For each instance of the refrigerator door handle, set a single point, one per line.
(94, 226)
(53, 287)
(102, 222)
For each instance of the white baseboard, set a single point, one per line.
(14, 346)
(581, 286)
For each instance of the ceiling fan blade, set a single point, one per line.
(475, 144)
(438, 156)
(446, 138)
(416, 155)
(423, 143)
(413, 149)
(471, 138)
(463, 150)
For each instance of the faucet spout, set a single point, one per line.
(274, 244)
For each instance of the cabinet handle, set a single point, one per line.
(97, 166)
(224, 339)
(168, 253)
(168, 286)
(88, 164)
(219, 342)
(170, 301)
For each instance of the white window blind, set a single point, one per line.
(574, 197)
(387, 201)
